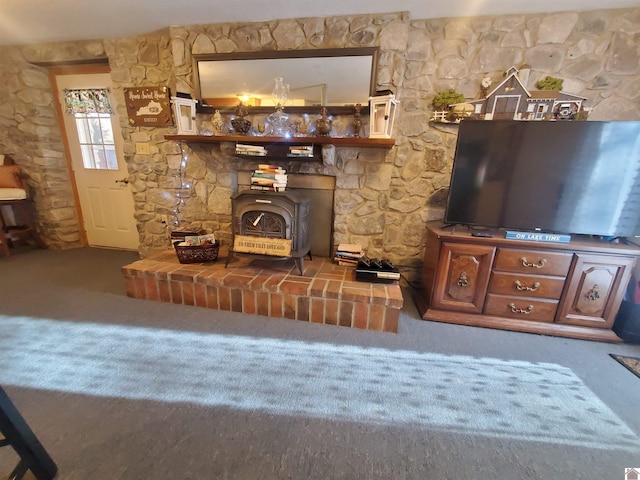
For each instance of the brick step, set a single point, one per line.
(326, 293)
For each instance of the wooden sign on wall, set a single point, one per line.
(278, 247)
(148, 106)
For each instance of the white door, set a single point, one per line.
(95, 147)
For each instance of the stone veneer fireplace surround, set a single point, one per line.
(325, 293)
(347, 170)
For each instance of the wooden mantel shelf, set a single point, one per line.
(257, 140)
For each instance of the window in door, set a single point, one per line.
(96, 141)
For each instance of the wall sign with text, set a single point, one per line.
(279, 247)
(148, 106)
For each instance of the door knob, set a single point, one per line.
(124, 180)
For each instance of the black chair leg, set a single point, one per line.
(21, 438)
(19, 471)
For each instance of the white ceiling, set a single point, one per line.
(34, 21)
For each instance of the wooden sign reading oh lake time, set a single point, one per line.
(148, 106)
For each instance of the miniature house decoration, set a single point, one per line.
(184, 110)
(512, 100)
(383, 112)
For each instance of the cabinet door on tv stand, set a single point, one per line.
(462, 277)
(595, 290)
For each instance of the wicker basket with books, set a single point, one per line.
(197, 249)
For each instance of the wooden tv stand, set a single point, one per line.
(563, 289)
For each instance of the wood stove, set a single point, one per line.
(280, 215)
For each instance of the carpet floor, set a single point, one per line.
(120, 388)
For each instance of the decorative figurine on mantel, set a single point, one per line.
(240, 124)
(278, 120)
(279, 123)
(357, 121)
(218, 123)
(324, 123)
(304, 127)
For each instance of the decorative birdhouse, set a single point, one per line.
(382, 112)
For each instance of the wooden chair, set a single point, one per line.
(19, 436)
(16, 207)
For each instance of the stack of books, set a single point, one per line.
(305, 151)
(255, 150)
(208, 239)
(181, 235)
(348, 254)
(270, 178)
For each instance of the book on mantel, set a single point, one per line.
(255, 150)
(301, 151)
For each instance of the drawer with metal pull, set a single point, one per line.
(535, 309)
(538, 286)
(532, 261)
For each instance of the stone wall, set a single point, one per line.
(383, 201)
(383, 198)
(135, 62)
(363, 176)
(31, 134)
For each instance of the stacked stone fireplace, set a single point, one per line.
(317, 291)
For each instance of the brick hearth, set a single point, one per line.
(326, 293)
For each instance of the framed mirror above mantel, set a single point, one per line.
(335, 78)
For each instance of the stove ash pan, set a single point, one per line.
(274, 215)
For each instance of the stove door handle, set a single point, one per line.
(257, 220)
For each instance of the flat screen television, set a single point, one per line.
(573, 177)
